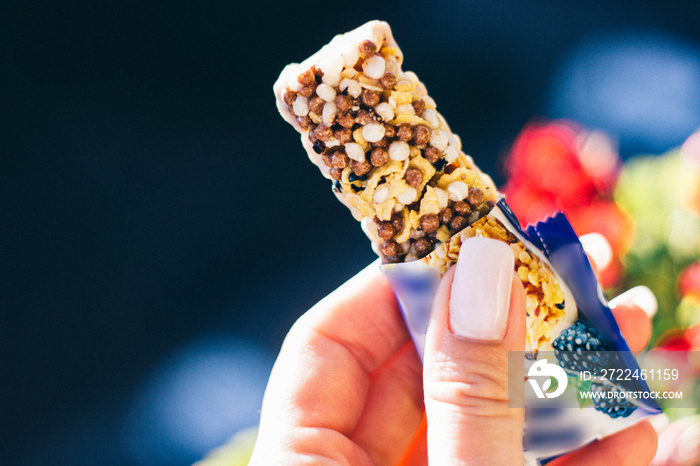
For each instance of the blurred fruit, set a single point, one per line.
(673, 340)
(605, 217)
(544, 159)
(689, 280)
(692, 334)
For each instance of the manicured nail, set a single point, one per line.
(659, 422)
(480, 295)
(640, 296)
(598, 248)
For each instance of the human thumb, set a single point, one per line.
(478, 316)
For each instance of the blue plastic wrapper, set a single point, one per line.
(553, 245)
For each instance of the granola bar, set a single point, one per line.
(374, 131)
(545, 298)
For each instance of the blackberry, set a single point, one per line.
(613, 407)
(581, 348)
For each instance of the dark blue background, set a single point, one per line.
(150, 194)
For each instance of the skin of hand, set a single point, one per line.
(348, 387)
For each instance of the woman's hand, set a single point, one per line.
(348, 387)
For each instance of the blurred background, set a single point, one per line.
(161, 225)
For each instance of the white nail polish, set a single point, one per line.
(480, 295)
(640, 296)
(659, 422)
(598, 248)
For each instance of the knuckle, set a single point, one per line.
(468, 383)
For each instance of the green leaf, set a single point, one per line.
(583, 386)
(553, 384)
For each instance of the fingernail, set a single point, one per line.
(480, 295)
(640, 296)
(659, 422)
(598, 248)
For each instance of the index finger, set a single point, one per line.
(321, 376)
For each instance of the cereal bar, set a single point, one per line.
(545, 297)
(373, 130)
